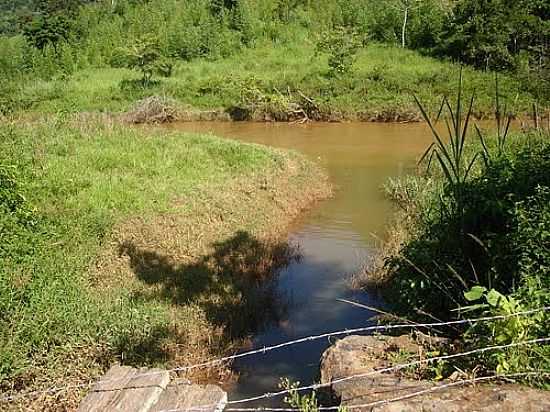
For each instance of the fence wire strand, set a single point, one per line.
(267, 349)
(399, 398)
(394, 368)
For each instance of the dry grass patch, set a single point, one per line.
(214, 259)
(154, 109)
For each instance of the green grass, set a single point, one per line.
(383, 80)
(68, 298)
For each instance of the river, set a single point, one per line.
(335, 238)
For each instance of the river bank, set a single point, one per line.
(136, 247)
(272, 82)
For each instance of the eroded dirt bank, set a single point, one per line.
(213, 259)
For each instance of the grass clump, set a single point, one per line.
(141, 248)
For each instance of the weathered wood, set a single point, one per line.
(126, 389)
(182, 395)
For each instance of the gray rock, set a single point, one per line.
(193, 398)
(356, 355)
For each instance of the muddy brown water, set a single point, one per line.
(335, 239)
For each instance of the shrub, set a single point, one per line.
(341, 45)
(144, 56)
(478, 243)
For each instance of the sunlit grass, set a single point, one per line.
(384, 78)
(65, 293)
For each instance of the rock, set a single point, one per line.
(356, 355)
(183, 395)
(128, 389)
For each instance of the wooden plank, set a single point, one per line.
(126, 389)
(182, 395)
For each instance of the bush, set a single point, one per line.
(478, 243)
(145, 57)
(341, 45)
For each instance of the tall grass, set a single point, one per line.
(476, 234)
(450, 153)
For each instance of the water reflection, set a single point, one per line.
(334, 238)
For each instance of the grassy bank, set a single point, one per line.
(135, 246)
(274, 81)
(275, 59)
(471, 239)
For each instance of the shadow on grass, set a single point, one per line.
(235, 285)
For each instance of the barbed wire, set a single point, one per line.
(394, 368)
(266, 349)
(389, 369)
(399, 398)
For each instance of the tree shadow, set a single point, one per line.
(235, 285)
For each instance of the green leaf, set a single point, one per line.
(475, 293)
(471, 308)
(494, 298)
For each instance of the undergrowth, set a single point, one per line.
(475, 237)
(270, 82)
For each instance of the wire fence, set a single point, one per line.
(394, 368)
(437, 388)
(266, 349)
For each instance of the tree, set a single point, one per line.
(491, 33)
(405, 7)
(144, 55)
(44, 30)
(342, 45)
(51, 22)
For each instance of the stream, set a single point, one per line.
(335, 238)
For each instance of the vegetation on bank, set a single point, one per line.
(472, 238)
(141, 247)
(282, 82)
(275, 59)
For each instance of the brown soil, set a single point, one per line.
(158, 109)
(212, 258)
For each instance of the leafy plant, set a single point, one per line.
(503, 122)
(144, 55)
(450, 154)
(12, 199)
(341, 44)
(305, 403)
(47, 30)
(506, 330)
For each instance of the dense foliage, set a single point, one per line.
(65, 35)
(478, 239)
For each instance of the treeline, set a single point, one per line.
(60, 36)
